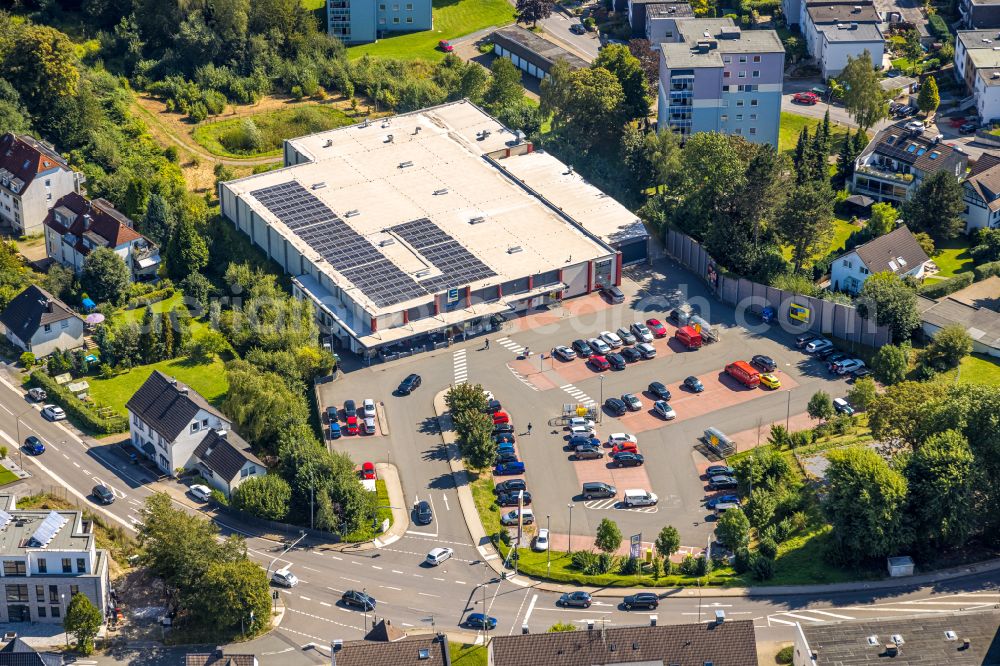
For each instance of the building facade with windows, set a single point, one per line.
(36, 321)
(977, 65)
(364, 21)
(834, 31)
(47, 557)
(530, 53)
(718, 78)
(981, 193)
(33, 177)
(897, 252)
(979, 14)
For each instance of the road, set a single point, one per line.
(556, 28)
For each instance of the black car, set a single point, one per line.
(628, 459)
(765, 363)
(424, 515)
(805, 339)
(967, 128)
(833, 355)
(331, 415)
(103, 494)
(615, 406)
(493, 406)
(350, 408)
(582, 349)
(583, 440)
(862, 372)
(358, 600)
(506, 457)
(510, 499)
(500, 428)
(632, 402)
(659, 391)
(719, 470)
(722, 483)
(579, 599)
(616, 361)
(641, 600)
(694, 384)
(587, 452)
(511, 486)
(408, 385)
(613, 294)
(630, 354)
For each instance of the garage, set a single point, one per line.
(634, 252)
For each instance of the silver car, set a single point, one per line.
(626, 336)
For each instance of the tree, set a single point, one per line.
(890, 364)
(848, 153)
(42, 65)
(941, 480)
(820, 406)
(761, 507)
(864, 98)
(950, 345)
(936, 207)
(595, 104)
(765, 467)
(187, 252)
(105, 276)
(899, 414)
(618, 59)
(883, 219)
(668, 542)
(862, 394)
(925, 242)
(532, 11)
(648, 59)
(475, 433)
(197, 288)
(911, 47)
(261, 404)
(892, 302)
(865, 504)
(806, 221)
(465, 398)
(929, 98)
(83, 620)
(733, 528)
(609, 537)
(158, 222)
(504, 89)
(232, 595)
(265, 497)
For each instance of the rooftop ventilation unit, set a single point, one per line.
(423, 272)
(416, 130)
(873, 640)
(407, 163)
(995, 75)
(328, 143)
(352, 213)
(388, 138)
(515, 249)
(477, 220)
(897, 639)
(319, 186)
(387, 241)
(443, 190)
(950, 635)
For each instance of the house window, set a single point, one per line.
(53, 594)
(753, 130)
(81, 565)
(409, 6)
(739, 117)
(43, 566)
(409, 19)
(204, 423)
(743, 74)
(725, 75)
(725, 118)
(395, 8)
(395, 19)
(41, 611)
(55, 611)
(40, 594)
(14, 568)
(194, 426)
(381, 20)
(753, 116)
(727, 59)
(64, 323)
(67, 565)
(848, 264)
(48, 328)
(17, 593)
(756, 74)
(753, 102)
(381, 7)
(739, 102)
(864, 271)
(743, 58)
(756, 58)
(74, 589)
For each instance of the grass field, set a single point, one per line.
(792, 124)
(976, 369)
(228, 138)
(7, 476)
(208, 379)
(452, 18)
(953, 257)
(463, 654)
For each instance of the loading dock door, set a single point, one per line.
(635, 252)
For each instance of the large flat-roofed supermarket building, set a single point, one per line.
(430, 225)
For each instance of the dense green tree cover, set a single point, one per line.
(892, 302)
(936, 207)
(83, 620)
(266, 497)
(106, 276)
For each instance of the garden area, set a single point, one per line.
(262, 135)
(791, 126)
(208, 378)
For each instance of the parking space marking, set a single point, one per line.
(461, 365)
(613, 503)
(511, 345)
(578, 395)
(521, 378)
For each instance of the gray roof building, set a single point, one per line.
(977, 308)
(824, 12)
(167, 405)
(430, 651)
(32, 309)
(219, 658)
(225, 454)
(534, 49)
(19, 653)
(884, 253)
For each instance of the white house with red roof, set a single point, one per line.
(33, 177)
(76, 226)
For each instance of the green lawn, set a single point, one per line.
(227, 138)
(6, 476)
(313, 5)
(367, 533)
(842, 229)
(175, 302)
(463, 654)
(977, 369)
(792, 124)
(208, 379)
(452, 18)
(953, 257)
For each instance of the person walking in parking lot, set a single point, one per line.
(529, 428)
(487, 343)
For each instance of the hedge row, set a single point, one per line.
(937, 26)
(986, 270)
(150, 298)
(76, 409)
(949, 286)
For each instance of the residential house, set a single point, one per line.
(19, 653)
(927, 638)
(532, 54)
(979, 14)
(718, 78)
(897, 251)
(729, 643)
(662, 19)
(977, 308)
(33, 176)
(835, 30)
(895, 163)
(76, 226)
(363, 21)
(977, 65)
(48, 556)
(219, 658)
(981, 191)
(36, 321)
(225, 460)
(394, 650)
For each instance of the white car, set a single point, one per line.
(200, 492)
(53, 412)
(489, 395)
(599, 346)
(37, 394)
(510, 518)
(589, 431)
(818, 345)
(642, 333)
(564, 352)
(542, 540)
(663, 408)
(612, 339)
(438, 555)
(849, 365)
(369, 407)
(914, 125)
(621, 438)
(626, 336)
(579, 421)
(285, 578)
(647, 350)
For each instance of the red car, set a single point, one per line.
(500, 417)
(809, 98)
(656, 328)
(445, 46)
(368, 470)
(352, 425)
(599, 362)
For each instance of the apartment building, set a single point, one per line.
(364, 21)
(662, 20)
(979, 14)
(977, 64)
(719, 78)
(33, 177)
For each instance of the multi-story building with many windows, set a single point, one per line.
(33, 177)
(718, 78)
(363, 21)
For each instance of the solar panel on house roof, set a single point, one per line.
(47, 530)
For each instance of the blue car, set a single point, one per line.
(722, 499)
(508, 468)
(334, 430)
(34, 446)
(506, 447)
(481, 621)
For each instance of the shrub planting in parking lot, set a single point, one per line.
(473, 425)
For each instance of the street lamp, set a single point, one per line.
(302, 535)
(600, 407)
(62, 598)
(569, 547)
(548, 547)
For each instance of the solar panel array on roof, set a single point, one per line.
(457, 265)
(47, 530)
(293, 205)
(384, 283)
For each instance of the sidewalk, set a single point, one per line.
(489, 553)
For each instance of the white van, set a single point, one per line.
(724, 506)
(638, 497)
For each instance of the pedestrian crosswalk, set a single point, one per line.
(612, 503)
(510, 345)
(887, 609)
(578, 395)
(461, 363)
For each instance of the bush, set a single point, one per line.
(787, 654)
(630, 566)
(27, 360)
(584, 560)
(762, 568)
(151, 297)
(76, 409)
(768, 548)
(945, 287)
(986, 270)
(937, 26)
(689, 565)
(742, 560)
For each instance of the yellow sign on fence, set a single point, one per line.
(798, 312)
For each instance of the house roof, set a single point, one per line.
(914, 148)
(167, 405)
(660, 9)
(984, 180)
(218, 658)
(540, 50)
(842, 12)
(19, 653)
(75, 214)
(731, 643)
(24, 157)
(897, 251)
(225, 453)
(31, 309)
(924, 640)
(848, 33)
(977, 308)
(410, 651)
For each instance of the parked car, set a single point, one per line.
(506, 456)
(818, 345)
(564, 353)
(357, 599)
(615, 406)
(663, 409)
(499, 428)
(863, 371)
(613, 294)
(200, 492)
(617, 437)
(578, 29)
(630, 354)
(284, 578)
(967, 128)
(541, 541)
(689, 337)
(722, 499)
(505, 447)
(103, 494)
(511, 486)
(628, 459)
(510, 499)
(37, 394)
(641, 600)
(611, 339)
(409, 385)
(53, 413)
(508, 469)
(493, 406)
(587, 452)
(335, 431)
(579, 421)
(626, 336)
(632, 402)
(808, 98)
(481, 621)
(850, 365)
(639, 497)
(832, 355)
(693, 384)
(656, 328)
(599, 346)
(647, 350)
(352, 425)
(368, 470)
(34, 446)
(510, 518)
(422, 513)
(350, 408)
(804, 339)
(598, 489)
(616, 361)
(841, 406)
(582, 349)
(446, 46)
(622, 447)
(599, 362)
(369, 425)
(744, 373)
(578, 599)
(582, 430)
(770, 381)
(765, 363)
(438, 555)
(659, 390)
(914, 126)
(719, 470)
(723, 482)
(642, 332)
(500, 418)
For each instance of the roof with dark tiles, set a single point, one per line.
(25, 157)
(167, 405)
(431, 651)
(225, 453)
(884, 253)
(31, 309)
(75, 214)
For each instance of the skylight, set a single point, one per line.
(921, 152)
(912, 147)
(934, 155)
(893, 266)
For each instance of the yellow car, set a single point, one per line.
(770, 381)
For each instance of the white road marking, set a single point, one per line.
(511, 345)
(76, 464)
(461, 366)
(353, 580)
(311, 569)
(802, 617)
(426, 594)
(390, 587)
(421, 533)
(531, 607)
(444, 496)
(304, 598)
(785, 622)
(839, 617)
(323, 603)
(375, 567)
(879, 609)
